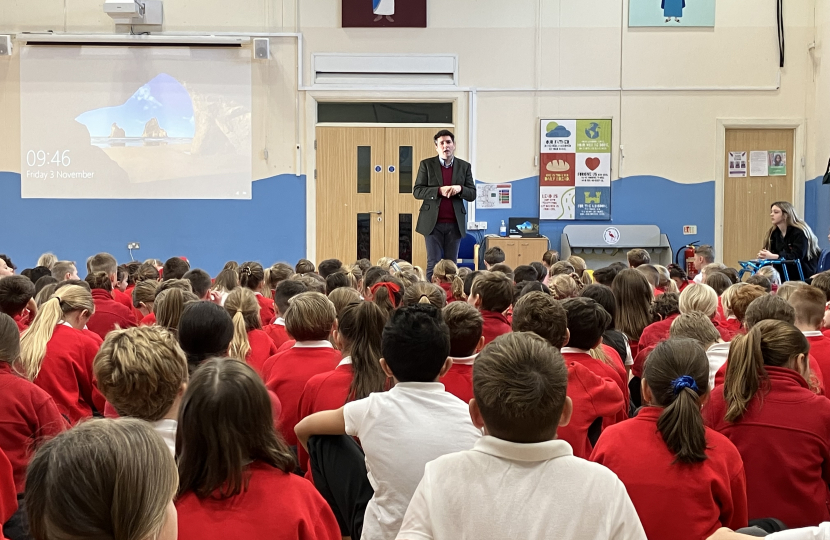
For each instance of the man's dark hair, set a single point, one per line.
(587, 320)
(335, 280)
(328, 267)
(494, 255)
(174, 268)
(443, 133)
(15, 293)
(199, 280)
(605, 276)
(416, 343)
(286, 290)
(525, 272)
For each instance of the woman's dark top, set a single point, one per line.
(793, 246)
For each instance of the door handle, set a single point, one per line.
(378, 212)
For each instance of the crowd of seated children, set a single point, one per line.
(466, 325)
(597, 398)
(400, 431)
(250, 342)
(376, 375)
(667, 446)
(519, 383)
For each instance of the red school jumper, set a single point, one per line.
(784, 440)
(711, 494)
(495, 325)
(8, 496)
(458, 381)
(124, 298)
(820, 350)
(603, 370)
(287, 373)
(66, 373)
(108, 314)
(593, 397)
(657, 332)
(324, 392)
(267, 311)
(149, 320)
(275, 505)
(27, 414)
(277, 332)
(262, 348)
(817, 382)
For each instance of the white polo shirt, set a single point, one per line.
(717, 355)
(401, 431)
(501, 490)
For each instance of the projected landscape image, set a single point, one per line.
(165, 130)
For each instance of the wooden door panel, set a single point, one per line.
(342, 171)
(746, 201)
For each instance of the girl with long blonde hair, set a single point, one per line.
(250, 342)
(56, 353)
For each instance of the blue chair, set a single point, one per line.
(823, 261)
(467, 252)
(756, 264)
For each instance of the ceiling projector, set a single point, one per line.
(141, 13)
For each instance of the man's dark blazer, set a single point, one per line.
(428, 181)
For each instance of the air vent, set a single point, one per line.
(385, 70)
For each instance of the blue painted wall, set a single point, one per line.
(270, 227)
(635, 200)
(817, 209)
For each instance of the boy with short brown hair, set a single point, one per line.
(520, 384)
(637, 257)
(465, 324)
(492, 294)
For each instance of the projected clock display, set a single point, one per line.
(42, 158)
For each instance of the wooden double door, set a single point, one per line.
(365, 207)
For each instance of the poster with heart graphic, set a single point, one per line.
(575, 153)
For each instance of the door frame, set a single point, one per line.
(798, 163)
(460, 115)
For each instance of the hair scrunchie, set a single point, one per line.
(684, 381)
(390, 287)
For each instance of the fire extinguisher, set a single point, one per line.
(688, 261)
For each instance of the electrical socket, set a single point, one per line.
(477, 226)
(133, 245)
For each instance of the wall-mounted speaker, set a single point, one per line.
(262, 48)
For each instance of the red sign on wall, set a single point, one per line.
(384, 13)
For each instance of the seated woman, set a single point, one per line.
(790, 239)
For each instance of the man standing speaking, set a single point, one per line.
(444, 182)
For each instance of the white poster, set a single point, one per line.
(490, 196)
(557, 202)
(737, 164)
(758, 165)
(135, 122)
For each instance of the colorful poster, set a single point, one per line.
(671, 13)
(575, 170)
(490, 196)
(737, 164)
(777, 163)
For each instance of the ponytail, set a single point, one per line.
(242, 306)
(457, 287)
(388, 294)
(266, 291)
(361, 327)
(769, 343)
(251, 275)
(423, 292)
(677, 373)
(34, 340)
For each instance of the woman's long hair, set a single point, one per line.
(793, 220)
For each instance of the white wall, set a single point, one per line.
(522, 45)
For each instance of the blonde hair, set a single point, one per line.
(564, 286)
(771, 274)
(140, 371)
(424, 293)
(243, 308)
(793, 220)
(699, 297)
(33, 342)
(666, 282)
(729, 295)
(342, 297)
(48, 260)
(694, 325)
(578, 263)
(447, 272)
(709, 268)
(355, 275)
(169, 305)
(385, 263)
(310, 316)
(787, 288)
(101, 479)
